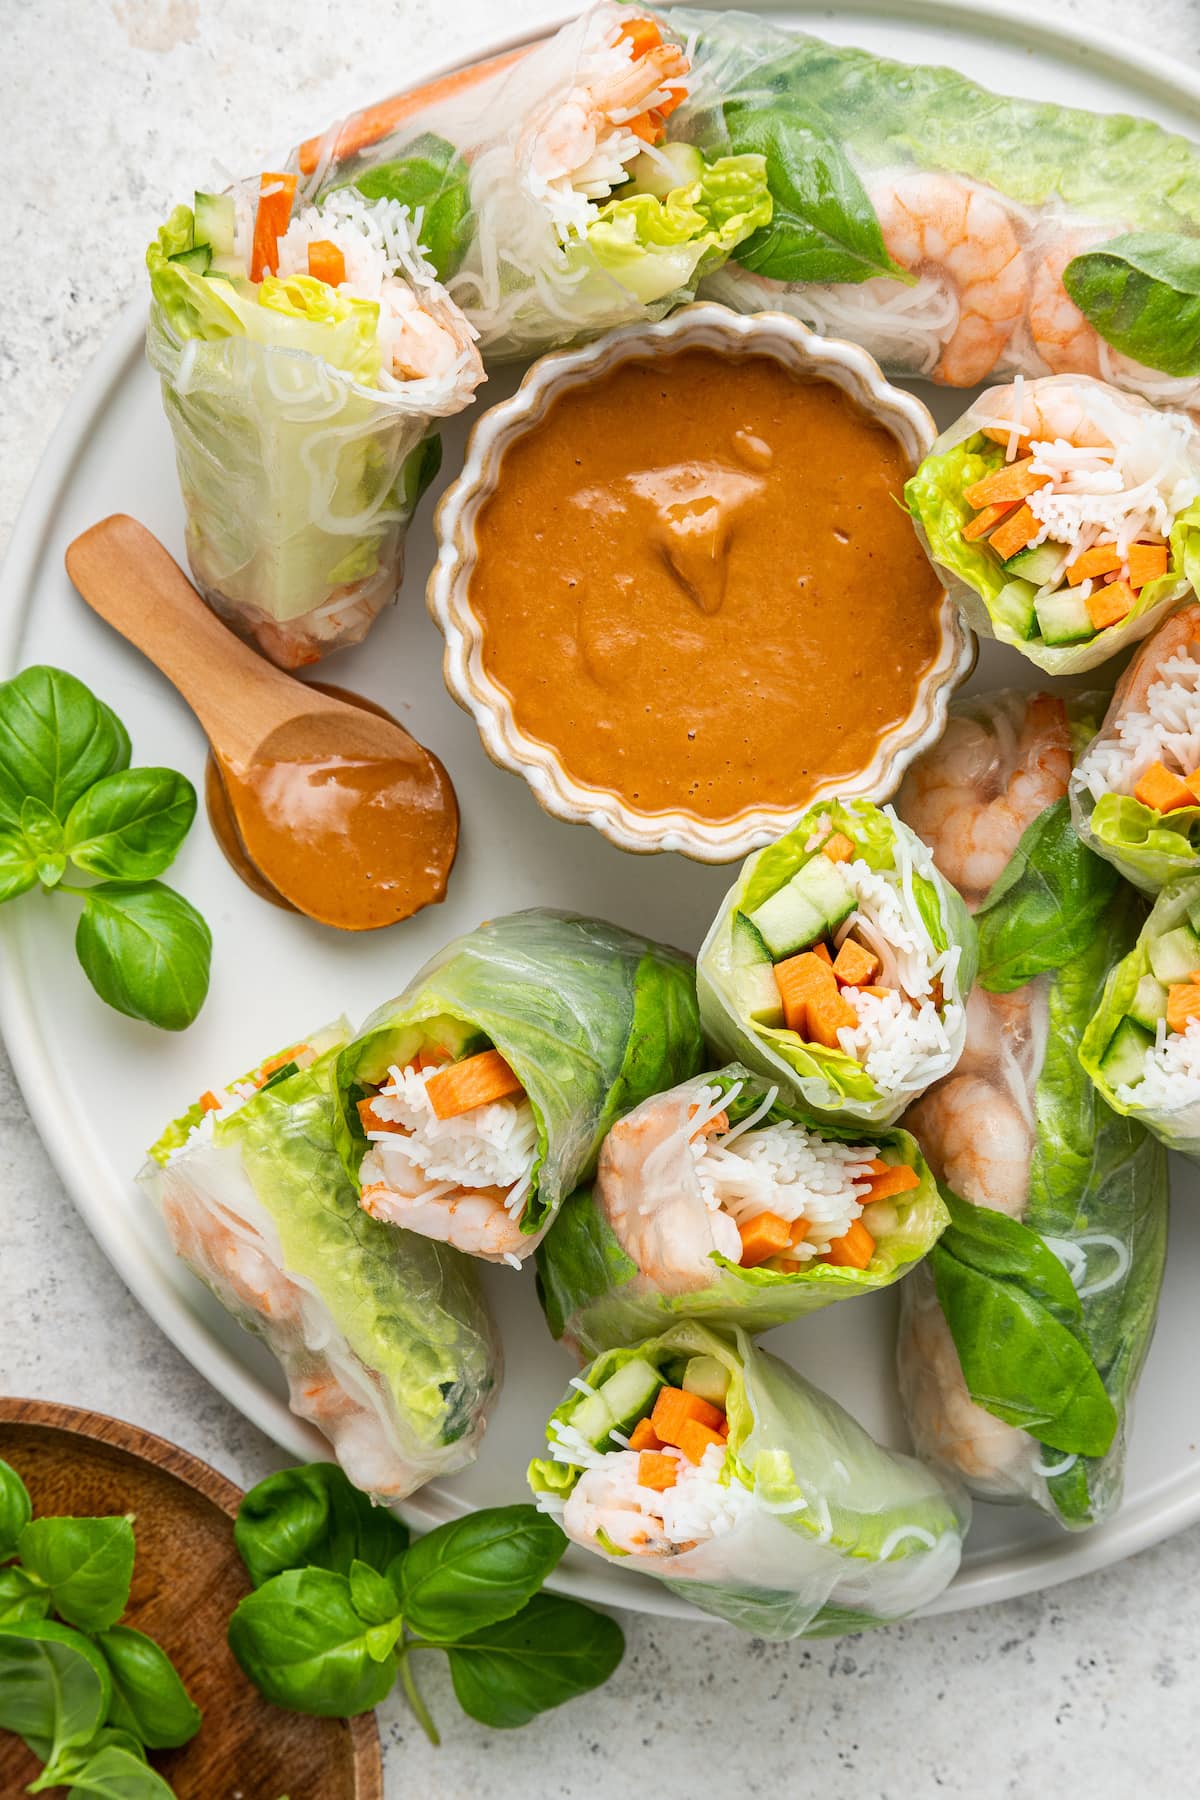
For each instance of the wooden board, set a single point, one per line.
(187, 1579)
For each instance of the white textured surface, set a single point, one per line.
(110, 111)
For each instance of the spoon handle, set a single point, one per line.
(129, 579)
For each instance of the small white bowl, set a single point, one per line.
(715, 328)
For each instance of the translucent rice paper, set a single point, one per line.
(977, 200)
(1148, 847)
(635, 1252)
(591, 1018)
(1178, 1125)
(843, 1533)
(384, 1337)
(973, 573)
(826, 1084)
(298, 481)
(514, 165)
(1019, 1128)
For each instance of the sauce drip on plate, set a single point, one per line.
(698, 585)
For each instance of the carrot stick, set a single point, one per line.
(828, 1014)
(1110, 604)
(762, 1237)
(983, 521)
(1183, 1005)
(854, 1251)
(675, 1407)
(1012, 481)
(695, 1438)
(1162, 791)
(275, 195)
(1101, 559)
(854, 965)
(326, 262)
(642, 34)
(657, 1471)
(372, 1121)
(822, 950)
(208, 1102)
(1014, 533)
(644, 1437)
(889, 1179)
(461, 1087)
(1147, 562)
(838, 848)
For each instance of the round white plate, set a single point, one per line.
(101, 1087)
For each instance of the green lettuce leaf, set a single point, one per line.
(1149, 848)
(862, 1534)
(1047, 905)
(655, 247)
(592, 1019)
(594, 1294)
(935, 497)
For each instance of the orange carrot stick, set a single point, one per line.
(674, 1408)
(656, 1470)
(1147, 562)
(1014, 533)
(983, 521)
(854, 1251)
(838, 847)
(644, 1437)
(1162, 791)
(1011, 481)
(326, 262)
(763, 1237)
(275, 196)
(1101, 559)
(854, 965)
(695, 1438)
(1110, 604)
(476, 1081)
(889, 1179)
(1183, 1005)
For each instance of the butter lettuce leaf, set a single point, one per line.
(654, 247)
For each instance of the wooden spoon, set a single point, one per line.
(344, 814)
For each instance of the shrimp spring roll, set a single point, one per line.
(1142, 1048)
(1064, 515)
(718, 1201)
(956, 233)
(550, 204)
(1132, 797)
(701, 1460)
(839, 964)
(304, 354)
(476, 1101)
(384, 1337)
(1023, 1335)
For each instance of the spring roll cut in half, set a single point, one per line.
(554, 208)
(702, 1461)
(1023, 1335)
(964, 235)
(305, 352)
(1064, 515)
(718, 1200)
(839, 965)
(474, 1103)
(1142, 1047)
(1135, 793)
(384, 1337)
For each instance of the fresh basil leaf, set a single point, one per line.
(1142, 293)
(300, 1641)
(21, 1597)
(18, 865)
(116, 1772)
(54, 1686)
(477, 1570)
(16, 1509)
(995, 1245)
(87, 1564)
(551, 1651)
(373, 1596)
(1020, 1362)
(146, 951)
(44, 835)
(1047, 905)
(430, 175)
(314, 1516)
(153, 1700)
(56, 739)
(823, 227)
(131, 824)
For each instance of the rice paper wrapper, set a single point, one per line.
(384, 1337)
(828, 1084)
(1148, 847)
(841, 1533)
(592, 1019)
(880, 168)
(521, 175)
(961, 456)
(633, 1253)
(1020, 1129)
(299, 481)
(1175, 1122)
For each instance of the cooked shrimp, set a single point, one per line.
(230, 1254)
(472, 1220)
(594, 1507)
(1066, 342)
(939, 223)
(648, 1192)
(607, 116)
(977, 1140)
(1046, 413)
(947, 1425)
(424, 340)
(972, 795)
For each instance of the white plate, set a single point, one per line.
(276, 976)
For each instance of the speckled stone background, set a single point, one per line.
(110, 109)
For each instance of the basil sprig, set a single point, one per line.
(89, 1696)
(1046, 907)
(1142, 293)
(1016, 1322)
(68, 795)
(342, 1604)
